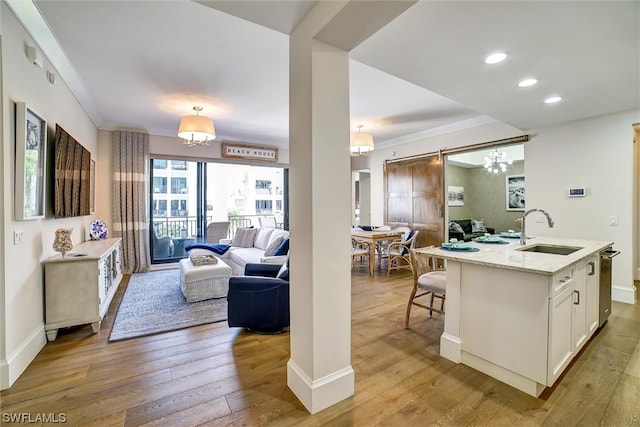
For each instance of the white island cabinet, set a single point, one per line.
(520, 316)
(79, 287)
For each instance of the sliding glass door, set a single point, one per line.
(186, 196)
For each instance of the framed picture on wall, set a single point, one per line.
(31, 140)
(515, 192)
(455, 195)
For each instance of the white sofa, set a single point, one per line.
(237, 257)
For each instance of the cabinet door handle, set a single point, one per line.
(593, 268)
(578, 295)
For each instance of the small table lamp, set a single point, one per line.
(63, 242)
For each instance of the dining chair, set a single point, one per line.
(430, 279)
(383, 246)
(399, 253)
(359, 251)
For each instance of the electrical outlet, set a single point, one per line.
(18, 237)
(613, 220)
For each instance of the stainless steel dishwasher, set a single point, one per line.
(606, 257)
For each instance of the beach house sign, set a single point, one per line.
(249, 152)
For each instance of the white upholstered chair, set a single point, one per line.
(429, 281)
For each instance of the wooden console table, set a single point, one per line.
(79, 287)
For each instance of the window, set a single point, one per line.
(179, 208)
(264, 206)
(263, 184)
(159, 208)
(279, 205)
(178, 185)
(159, 185)
(178, 165)
(159, 164)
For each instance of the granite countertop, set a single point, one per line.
(508, 256)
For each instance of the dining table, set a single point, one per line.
(372, 238)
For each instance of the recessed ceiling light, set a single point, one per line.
(527, 82)
(553, 99)
(495, 58)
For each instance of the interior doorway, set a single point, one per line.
(361, 204)
(478, 192)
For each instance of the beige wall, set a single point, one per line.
(22, 329)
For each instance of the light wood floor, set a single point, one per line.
(212, 375)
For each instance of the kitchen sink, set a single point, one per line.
(549, 249)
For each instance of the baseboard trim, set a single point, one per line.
(14, 365)
(319, 394)
(624, 294)
(451, 347)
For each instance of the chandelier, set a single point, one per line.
(196, 129)
(361, 143)
(497, 161)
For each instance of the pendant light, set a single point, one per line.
(196, 129)
(361, 143)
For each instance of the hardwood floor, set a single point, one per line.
(216, 376)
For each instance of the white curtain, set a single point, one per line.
(131, 205)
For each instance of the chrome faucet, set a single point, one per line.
(523, 236)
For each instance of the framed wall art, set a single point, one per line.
(515, 192)
(31, 148)
(455, 195)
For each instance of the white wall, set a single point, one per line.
(596, 154)
(22, 332)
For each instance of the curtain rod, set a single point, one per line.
(497, 142)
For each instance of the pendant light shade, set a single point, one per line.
(361, 143)
(196, 129)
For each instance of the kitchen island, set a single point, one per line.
(521, 313)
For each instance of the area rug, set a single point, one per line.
(153, 303)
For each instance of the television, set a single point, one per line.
(72, 164)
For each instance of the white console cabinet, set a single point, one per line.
(79, 287)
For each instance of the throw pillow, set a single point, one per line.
(273, 246)
(244, 237)
(477, 226)
(454, 226)
(283, 249)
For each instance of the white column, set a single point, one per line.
(319, 371)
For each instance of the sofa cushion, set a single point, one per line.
(242, 256)
(262, 238)
(244, 237)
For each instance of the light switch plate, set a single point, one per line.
(613, 220)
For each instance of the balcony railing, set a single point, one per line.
(186, 226)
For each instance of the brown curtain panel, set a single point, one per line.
(131, 199)
(72, 177)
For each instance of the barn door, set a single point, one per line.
(414, 197)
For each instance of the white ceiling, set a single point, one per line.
(144, 64)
